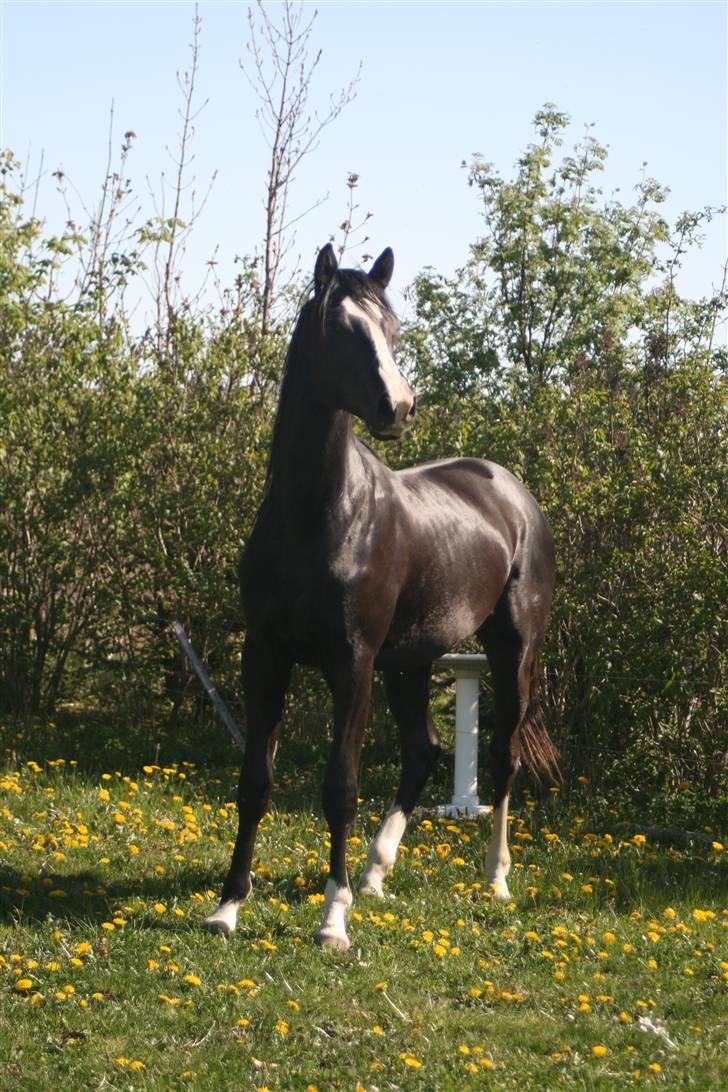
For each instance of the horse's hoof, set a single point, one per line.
(500, 892)
(370, 888)
(222, 920)
(328, 938)
(219, 926)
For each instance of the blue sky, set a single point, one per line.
(439, 82)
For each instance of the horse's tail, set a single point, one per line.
(536, 747)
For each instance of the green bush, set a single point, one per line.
(133, 463)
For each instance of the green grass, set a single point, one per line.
(102, 899)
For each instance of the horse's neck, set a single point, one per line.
(314, 464)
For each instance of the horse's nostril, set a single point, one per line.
(412, 411)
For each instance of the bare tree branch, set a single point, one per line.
(280, 70)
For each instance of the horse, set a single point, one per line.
(352, 567)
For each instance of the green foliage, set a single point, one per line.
(564, 351)
(133, 460)
(132, 467)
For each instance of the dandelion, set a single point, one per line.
(24, 984)
(411, 1061)
(281, 1027)
(655, 1067)
(600, 1051)
(376, 1030)
(192, 980)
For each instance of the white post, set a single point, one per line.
(467, 668)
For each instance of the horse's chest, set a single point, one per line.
(293, 593)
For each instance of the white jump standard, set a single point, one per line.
(467, 668)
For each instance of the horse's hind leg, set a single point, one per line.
(408, 697)
(512, 637)
(265, 680)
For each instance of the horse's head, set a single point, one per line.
(355, 368)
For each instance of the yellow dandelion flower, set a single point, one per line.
(600, 1051)
(192, 980)
(281, 1027)
(655, 1067)
(24, 984)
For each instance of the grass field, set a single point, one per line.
(608, 968)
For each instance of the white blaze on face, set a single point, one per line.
(370, 318)
(383, 852)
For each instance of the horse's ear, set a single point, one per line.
(325, 268)
(383, 268)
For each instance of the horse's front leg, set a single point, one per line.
(408, 694)
(350, 680)
(265, 680)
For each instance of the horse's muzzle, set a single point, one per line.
(393, 421)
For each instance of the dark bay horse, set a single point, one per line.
(351, 567)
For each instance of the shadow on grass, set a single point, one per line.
(90, 898)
